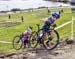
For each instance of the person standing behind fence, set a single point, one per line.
(22, 19)
(61, 11)
(9, 16)
(49, 11)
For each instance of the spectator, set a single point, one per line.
(9, 16)
(22, 19)
(48, 11)
(62, 11)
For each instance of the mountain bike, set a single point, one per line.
(36, 39)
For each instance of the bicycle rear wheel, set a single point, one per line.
(17, 42)
(51, 43)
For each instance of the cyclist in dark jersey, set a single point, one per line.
(48, 22)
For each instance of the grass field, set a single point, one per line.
(30, 19)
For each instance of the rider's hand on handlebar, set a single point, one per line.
(54, 25)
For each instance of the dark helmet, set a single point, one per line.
(57, 15)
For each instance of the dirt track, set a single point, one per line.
(62, 52)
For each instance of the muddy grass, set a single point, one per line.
(8, 24)
(2, 20)
(63, 51)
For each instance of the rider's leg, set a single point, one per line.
(42, 40)
(51, 35)
(24, 41)
(50, 38)
(43, 36)
(26, 44)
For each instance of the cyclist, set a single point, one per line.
(22, 19)
(49, 21)
(26, 36)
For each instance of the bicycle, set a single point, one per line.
(35, 40)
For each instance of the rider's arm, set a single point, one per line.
(54, 24)
(44, 20)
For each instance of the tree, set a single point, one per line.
(65, 1)
(15, 9)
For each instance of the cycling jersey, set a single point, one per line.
(51, 20)
(25, 37)
(46, 26)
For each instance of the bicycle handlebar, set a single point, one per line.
(38, 25)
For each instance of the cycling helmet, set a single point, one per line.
(57, 15)
(29, 29)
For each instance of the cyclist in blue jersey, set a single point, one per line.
(50, 21)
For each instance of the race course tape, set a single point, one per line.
(4, 42)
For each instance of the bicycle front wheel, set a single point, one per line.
(17, 42)
(33, 39)
(49, 43)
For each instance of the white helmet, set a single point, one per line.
(29, 29)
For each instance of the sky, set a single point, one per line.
(7, 5)
(13, 0)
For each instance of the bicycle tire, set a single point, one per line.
(33, 39)
(57, 42)
(38, 43)
(17, 45)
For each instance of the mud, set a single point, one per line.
(63, 51)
